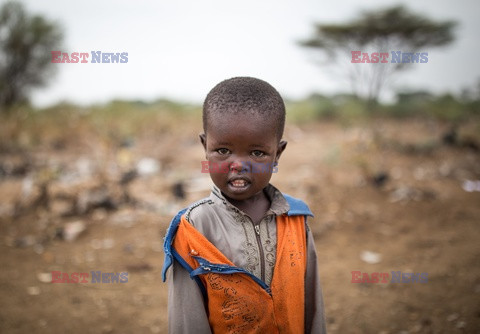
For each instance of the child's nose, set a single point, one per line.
(236, 166)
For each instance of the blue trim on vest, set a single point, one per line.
(297, 207)
(171, 254)
(207, 267)
(167, 243)
(185, 265)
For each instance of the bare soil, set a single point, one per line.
(391, 187)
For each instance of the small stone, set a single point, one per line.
(370, 257)
(471, 185)
(452, 317)
(72, 230)
(45, 277)
(33, 290)
(461, 324)
(147, 166)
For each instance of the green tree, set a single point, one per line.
(386, 30)
(26, 42)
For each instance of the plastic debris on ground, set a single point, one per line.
(370, 257)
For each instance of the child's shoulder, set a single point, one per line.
(297, 206)
(199, 208)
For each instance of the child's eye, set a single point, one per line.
(258, 154)
(223, 151)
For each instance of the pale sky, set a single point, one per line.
(180, 49)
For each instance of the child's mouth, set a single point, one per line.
(238, 185)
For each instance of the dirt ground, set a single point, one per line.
(388, 196)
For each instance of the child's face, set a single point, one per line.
(237, 140)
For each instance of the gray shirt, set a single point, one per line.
(249, 246)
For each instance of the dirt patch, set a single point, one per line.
(391, 188)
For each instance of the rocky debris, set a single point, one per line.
(16, 166)
(453, 138)
(124, 218)
(471, 185)
(27, 186)
(178, 190)
(107, 243)
(43, 198)
(62, 206)
(128, 177)
(61, 188)
(26, 241)
(95, 198)
(72, 230)
(380, 179)
(406, 194)
(450, 137)
(79, 171)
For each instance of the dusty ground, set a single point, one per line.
(418, 220)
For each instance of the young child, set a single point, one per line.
(243, 259)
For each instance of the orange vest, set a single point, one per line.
(238, 301)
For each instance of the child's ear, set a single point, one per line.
(281, 147)
(203, 140)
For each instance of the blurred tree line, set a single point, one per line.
(381, 31)
(25, 59)
(449, 107)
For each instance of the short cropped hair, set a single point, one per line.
(245, 95)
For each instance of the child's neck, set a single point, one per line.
(255, 207)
